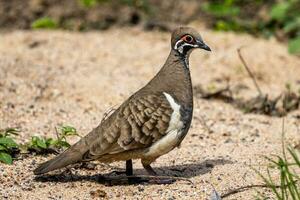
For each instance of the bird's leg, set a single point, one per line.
(153, 174)
(129, 173)
(129, 169)
(149, 169)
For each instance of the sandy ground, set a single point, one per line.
(53, 78)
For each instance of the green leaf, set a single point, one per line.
(279, 11)
(41, 143)
(33, 140)
(44, 23)
(50, 141)
(6, 158)
(294, 46)
(3, 148)
(63, 144)
(68, 129)
(8, 142)
(295, 156)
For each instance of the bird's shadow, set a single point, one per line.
(181, 171)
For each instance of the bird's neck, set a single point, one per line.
(174, 78)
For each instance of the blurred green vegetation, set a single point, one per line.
(259, 17)
(267, 18)
(143, 5)
(44, 23)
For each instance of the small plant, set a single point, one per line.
(44, 23)
(50, 145)
(288, 170)
(8, 147)
(62, 133)
(40, 145)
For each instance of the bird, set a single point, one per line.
(150, 123)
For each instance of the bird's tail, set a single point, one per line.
(70, 156)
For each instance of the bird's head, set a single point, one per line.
(185, 39)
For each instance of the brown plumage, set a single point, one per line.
(148, 124)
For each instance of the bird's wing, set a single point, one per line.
(137, 124)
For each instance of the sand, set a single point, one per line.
(49, 78)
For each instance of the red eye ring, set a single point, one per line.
(188, 38)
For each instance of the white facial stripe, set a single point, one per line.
(179, 47)
(191, 45)
(177, 43)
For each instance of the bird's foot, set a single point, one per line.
(162, 180)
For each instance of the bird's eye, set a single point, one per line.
(188, 38)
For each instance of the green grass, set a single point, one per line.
(287, 166)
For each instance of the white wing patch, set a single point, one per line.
(175, 122)
(169, 141)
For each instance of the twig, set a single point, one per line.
(249, 71)
(243, 188)
(56, 132)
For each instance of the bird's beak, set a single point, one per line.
(202, 45)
